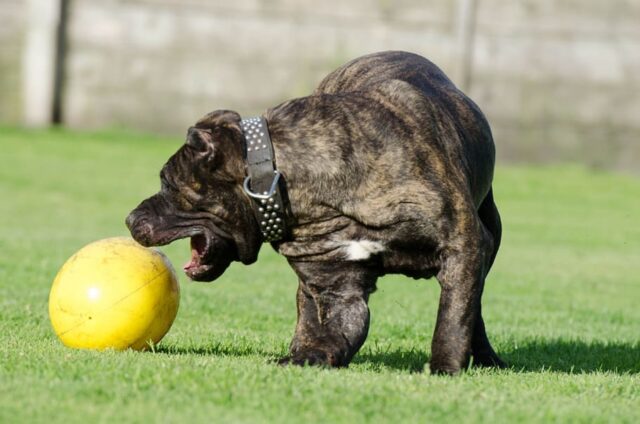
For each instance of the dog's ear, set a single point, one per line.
(211, 128)
(220, 120)
(201, 140)
(211, 135)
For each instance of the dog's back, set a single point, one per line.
(414, 82)
(367, 72)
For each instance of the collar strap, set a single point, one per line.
(264, 184)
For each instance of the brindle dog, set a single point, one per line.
(388, 168)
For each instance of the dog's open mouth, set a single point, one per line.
(212, 248)
(210, 256)
(199, 249)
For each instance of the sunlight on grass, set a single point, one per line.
(561, 307)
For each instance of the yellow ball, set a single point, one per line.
(114, 293)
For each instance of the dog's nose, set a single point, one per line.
(141, 230)
(130, 221)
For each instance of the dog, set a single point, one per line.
(385, 168)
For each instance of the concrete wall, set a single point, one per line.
(161, 64)
(558, 79)
(12, 39)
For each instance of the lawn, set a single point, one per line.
(561, 307)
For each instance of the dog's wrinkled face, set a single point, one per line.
(201, 198)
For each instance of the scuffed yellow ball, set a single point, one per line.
(114, 293)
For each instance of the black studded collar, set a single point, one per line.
(264, 184)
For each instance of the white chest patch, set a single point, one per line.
(358, 250)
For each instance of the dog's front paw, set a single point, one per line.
(313, 357)
(439, 369)
(447, 365)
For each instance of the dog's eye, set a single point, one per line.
(184, 203)
(172, 185)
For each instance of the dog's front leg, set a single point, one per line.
(333, 316)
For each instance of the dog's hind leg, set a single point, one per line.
(460, 279)
(481, 349)
(333, 316)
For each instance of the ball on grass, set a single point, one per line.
(114, 293)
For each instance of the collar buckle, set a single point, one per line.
(266, 194)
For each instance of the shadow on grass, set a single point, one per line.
(574, 357)
(219, 349)
(411, 361)
(561, 356)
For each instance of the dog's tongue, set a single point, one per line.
(191, 264)
(198, 246)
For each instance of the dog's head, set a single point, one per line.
(201, 197)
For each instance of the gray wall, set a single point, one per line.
(161, 64)
(12, 39)
(559, 80)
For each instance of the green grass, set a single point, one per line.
(561, 306)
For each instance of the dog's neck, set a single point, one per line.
(264, 184)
